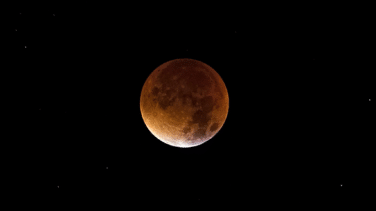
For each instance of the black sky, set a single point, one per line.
(298, 127)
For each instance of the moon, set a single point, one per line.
(184, 102)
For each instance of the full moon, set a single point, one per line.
(184, 102)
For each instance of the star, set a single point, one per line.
(57, 186)
(25, 46)
(341, 185)
(369, 99)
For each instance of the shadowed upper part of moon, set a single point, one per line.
(190, 95)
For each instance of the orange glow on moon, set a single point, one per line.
(184, 103)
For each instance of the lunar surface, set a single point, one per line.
(184, 103)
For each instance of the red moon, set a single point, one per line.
(184, 102)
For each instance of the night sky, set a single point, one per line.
(297, 133)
